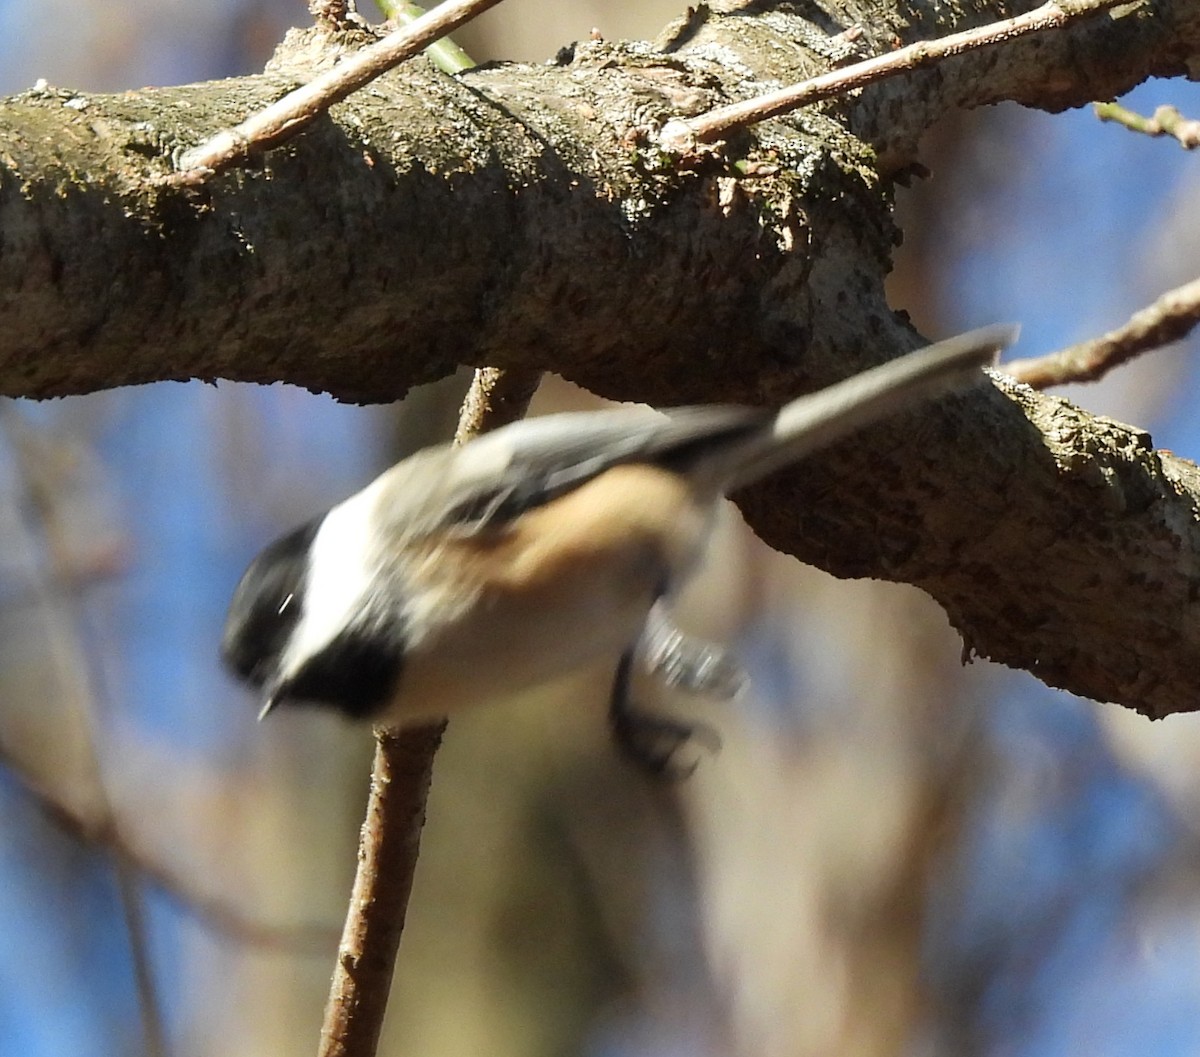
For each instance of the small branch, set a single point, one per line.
(213, 912)
(1168, 319)
(65, 648)
(331, 12)
(391, 832)
(1166, 121)
(387, 860)
(683, 134)
(287, 116)
(495, 399)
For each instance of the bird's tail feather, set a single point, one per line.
(818, 419)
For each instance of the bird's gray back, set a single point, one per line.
(500, 475)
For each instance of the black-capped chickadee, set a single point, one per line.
(465, 574)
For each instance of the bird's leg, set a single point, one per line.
(651, 742)
(687, 663)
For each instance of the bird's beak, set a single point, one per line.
(274, 696)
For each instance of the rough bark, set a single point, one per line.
(523, 216)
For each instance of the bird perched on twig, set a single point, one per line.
(466, 574)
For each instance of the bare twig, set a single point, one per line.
(445, 54)
(287, 116)
(391, 833)
(683, 134)
(1166, 121)
(495, 398)
(387, 860)
(1168, 319)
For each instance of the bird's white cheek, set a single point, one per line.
(337, 580)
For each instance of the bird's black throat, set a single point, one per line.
(267, 606)
(356, 674)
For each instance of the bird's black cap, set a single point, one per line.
(266, 606)
(354, 674)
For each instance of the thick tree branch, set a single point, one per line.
(524, 216)
(435, 220)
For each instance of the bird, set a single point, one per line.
(466, 574)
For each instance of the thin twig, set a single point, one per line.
(391, 834)
(331, 12)
(495, 399)
(683, 134)
(1166, 121)
(387, 860)
(287, 116)
(1168, 319)
(133, 908)
(444, 54)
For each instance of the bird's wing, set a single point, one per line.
(529, 463)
